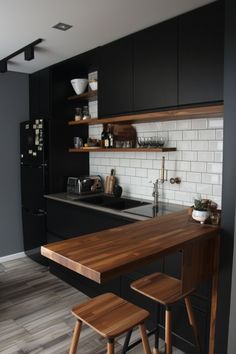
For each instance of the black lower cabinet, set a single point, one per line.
(67, 221)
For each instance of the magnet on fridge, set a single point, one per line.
(30, 152)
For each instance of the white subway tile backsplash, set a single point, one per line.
(146, 164)
(218, 156)
(188, 187)
(199, 124)
(176, 135)
(194, 177)
(219, 134)
(130, 171)
(210, 178)
(200, 145)
(183, 165)
(215, 145)
(206, 156)
(198, 167)
(204, 188)
(125, 162)
(197, 161)
(207, 134)
(217, 190)
(184, 145)
(135, 163)
(215, 123)
(214, 167)
(183, 124)
(189, 155)
(141, 172)
(190, 135)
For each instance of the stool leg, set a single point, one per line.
(168, 343)
(75, 338)
(144, 337)
(192, 322)
(110, 346)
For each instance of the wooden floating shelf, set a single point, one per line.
(176, 114)
(123, 149)
(89, 95)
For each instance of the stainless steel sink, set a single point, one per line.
(112, 202)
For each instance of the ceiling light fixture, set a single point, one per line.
(62, 26)
(28, 54)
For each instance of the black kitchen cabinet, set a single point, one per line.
(115, 78)
(201, 53)
(67, 221)
(155, 66)
(40, 94)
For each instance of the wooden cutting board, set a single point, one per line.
(109, 183)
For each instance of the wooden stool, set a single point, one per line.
(110, 316)
(167, 291)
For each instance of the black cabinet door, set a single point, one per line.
(155, 66)
(68, 221)
(40, 94)
(201, 51)
(116, 78)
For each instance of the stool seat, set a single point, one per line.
(110, 315)
(161, 288)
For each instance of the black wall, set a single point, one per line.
(229, 196)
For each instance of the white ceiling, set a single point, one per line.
(95, 22)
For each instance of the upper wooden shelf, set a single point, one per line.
(123, 149)
(176, 114)
(89, 95)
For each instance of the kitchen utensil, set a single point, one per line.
(117, 191)
(79, 85)
(110, 182)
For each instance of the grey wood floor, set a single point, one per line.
(35, 313)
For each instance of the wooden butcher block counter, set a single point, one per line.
(106, 254)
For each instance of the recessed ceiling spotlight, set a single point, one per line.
(62, 26)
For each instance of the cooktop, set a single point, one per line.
(151, 211)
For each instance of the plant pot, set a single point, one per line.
(200, 216)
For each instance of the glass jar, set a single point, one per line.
(78, 113)
(86, 114)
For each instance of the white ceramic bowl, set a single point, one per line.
(93, 85)
(79, 85)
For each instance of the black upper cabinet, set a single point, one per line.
(155, 66)
(116, 78)
(201, 51)
(40, 94)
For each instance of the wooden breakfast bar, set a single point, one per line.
(103, 255)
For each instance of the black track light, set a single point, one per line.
(28, 51)
(3, 66)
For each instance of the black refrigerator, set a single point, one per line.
(45, 167)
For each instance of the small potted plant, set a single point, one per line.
(202, 209)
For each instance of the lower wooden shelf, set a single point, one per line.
(80, 150)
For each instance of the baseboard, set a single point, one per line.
(11, 257)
